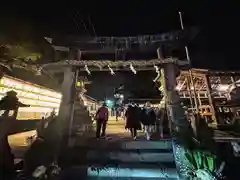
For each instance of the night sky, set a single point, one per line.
(216, 46)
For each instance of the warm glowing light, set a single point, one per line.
(22, 94)
(39, 98)
(42, 101)
(36, 109)
(78, 84)
(37, 102)
(222, 87)
(178, 88)
(18, 84)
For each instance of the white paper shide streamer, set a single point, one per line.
(158, 73)
(133, 69)
(86, 69)
(111, 70)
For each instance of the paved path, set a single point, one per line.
(20, 139)
(19, 143)
(115, 130)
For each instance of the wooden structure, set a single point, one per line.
(212, 87)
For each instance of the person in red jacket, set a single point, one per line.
(101, 119)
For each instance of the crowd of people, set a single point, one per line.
(147, 119)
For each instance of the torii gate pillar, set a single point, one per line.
(72, 108)
(175, 111)
(64, 115)
(59, 132)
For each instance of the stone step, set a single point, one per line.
(79, 160)
(129, 178)
(117, 149)
(123, 172)
(133, 173)
(125, 144)
(132, 165)
(130, 156)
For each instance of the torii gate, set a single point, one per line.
(109, 45)
(70, 68)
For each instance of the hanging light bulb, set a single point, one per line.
(87, 70)
(132, 69)
(111, 70)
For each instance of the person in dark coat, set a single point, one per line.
(148, 118)
(133, 120)
(11, 102)
(8, 103)
(7, 171)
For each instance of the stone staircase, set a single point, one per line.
(82, 122)
(119, 157)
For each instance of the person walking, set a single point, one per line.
(148, 118)
(133, 120)
(101, 120)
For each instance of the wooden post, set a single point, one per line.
(199, 100)
(210, 98)
(194, 91)
(190, 93)
(193, 117)
(73, 106)
(64, 114)
(176, 113)
(233, 110)
(80, 120)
